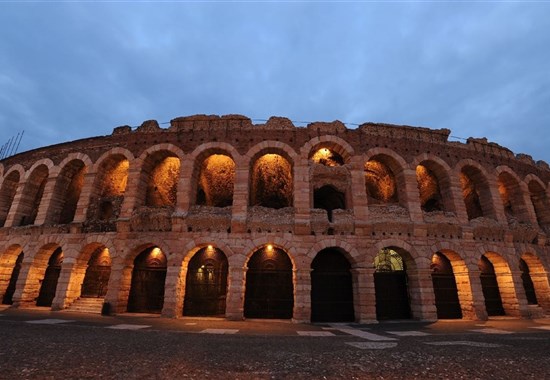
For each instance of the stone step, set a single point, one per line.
(87, 305)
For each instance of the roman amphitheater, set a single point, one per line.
(218, 216)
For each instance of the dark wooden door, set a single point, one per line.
(206, 284)
(392, 298)
(489, 286)
(445, 290)
(148, 277)
(49, 284)
(8, 295)
(269, 289)
(331, 288)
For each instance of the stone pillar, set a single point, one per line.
(302, 296)
(542, 290)
(60, 300)
(364, 295)
(14, 216)
(302, 198)
(240, 199)
(359, 193)
(234, 306)
(512, 293)
(28, 285)
(495, 200)
(465, 297)
(478, 300)
(84, 200)
(46, 202)
(457, 199)
(174, 292)
(409, 197)
(119, 288)
(184, 185)
(422, 297)
(134, 186)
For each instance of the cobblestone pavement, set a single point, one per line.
(39, 344)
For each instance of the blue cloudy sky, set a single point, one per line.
(70, 70)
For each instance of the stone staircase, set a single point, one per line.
(87, 305)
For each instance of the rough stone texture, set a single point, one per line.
(132, 223)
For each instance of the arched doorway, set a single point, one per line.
(331, 288)
(97, 274)
(148, 276)
(527, 283)
(489, 286)
(49, 284)
(206, 283)
(390, 283)
(8, 295)
(445, 290)
(269, 289)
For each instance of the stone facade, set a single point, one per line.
(377, 187)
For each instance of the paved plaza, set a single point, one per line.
(38, 344)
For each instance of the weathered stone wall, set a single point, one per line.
(182, 227)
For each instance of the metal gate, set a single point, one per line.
(97, 275)
(49, 284)
(8, 295)
(148, 277)
(390, 283)
(269, 289)
(331, 288)
(206, 283)
(445, 290)
(527, 283)
(489, 286)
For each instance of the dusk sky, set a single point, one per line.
(70, 70)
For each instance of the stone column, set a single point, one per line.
(302, 296)
(60, 300)
(27, 287)
(134, 186)
(174, 292)
(422, 297)
(84, 200)
(46, 202)
(364, 295)
(478, 300)
(465, 297)
(234, 304)
(457, 199)
(409, 196)
(359, 193)
(240, 199)
(512, 293)
(119, 288)
(542, 290)
(302, 198)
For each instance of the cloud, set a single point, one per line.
(75, 70)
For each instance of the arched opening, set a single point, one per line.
(380, 182)
(97, 274)
(327, 157)
(489, 286)
(162, 173)
(148, 277)
(216, 181)
(109, 188)
(271, 182)
(7, 193)
(390, 283)
(540, 203)
(528, 285)
(10, 290)
(269, 288)
(49, 283)
(331, 288)
(32, 196)
(445, 290)
(476, 194)
(329, 199)
(512, 199)
(66, 193)
(428, 187)
(206, 283)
